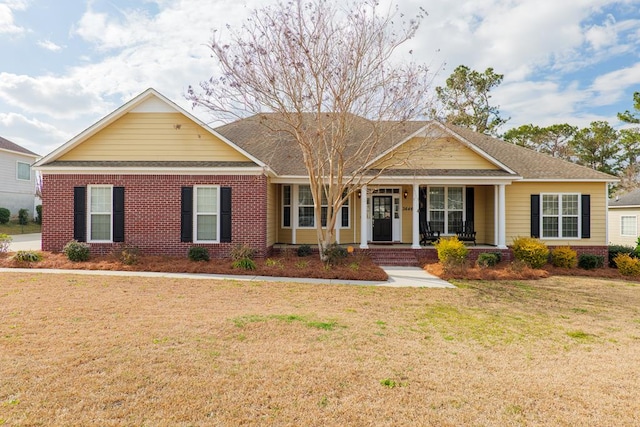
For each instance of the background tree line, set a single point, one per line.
(465, 101)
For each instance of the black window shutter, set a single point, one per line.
(469, 200)
(80, 214)
(118, 214)
(225, 214)
(535, 215)
(586, 216)
(186, 215)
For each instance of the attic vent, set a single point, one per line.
(177, 126)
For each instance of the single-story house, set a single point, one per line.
(624, 219)
(152, 175)
(17, 180)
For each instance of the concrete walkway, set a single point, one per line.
(399, 277)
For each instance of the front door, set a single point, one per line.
(382, 213)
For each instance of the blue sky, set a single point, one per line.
(66, 64)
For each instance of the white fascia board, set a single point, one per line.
(624, 207)
(148, 171)
(20, 153)
(570, 180)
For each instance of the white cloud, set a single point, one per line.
(7, 24)
(60, 98)
(42, 137)
(49, 45)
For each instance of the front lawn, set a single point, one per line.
(12, 227)
(101, 350)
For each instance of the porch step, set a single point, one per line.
(394, 257)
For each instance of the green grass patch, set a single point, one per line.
(12, 228)
(242, 321)
(485, 326)
(582, 336)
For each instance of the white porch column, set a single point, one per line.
(496, 216)
(502, 217)
(363, 218)
(415, 239)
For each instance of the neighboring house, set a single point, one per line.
(17, 180)
(152, 175)
(624, 219)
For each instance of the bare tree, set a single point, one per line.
(320, 67)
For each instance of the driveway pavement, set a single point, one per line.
(25, 242)
(399, 277)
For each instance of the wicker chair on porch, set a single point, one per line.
(427, 234)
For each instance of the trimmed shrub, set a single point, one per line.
(452, 253)
(77, 251)
(590, 262)
(23, 217)
(531, 251)
(5, 241)
(242, 252)
(38, 218)
(335, 253)
(564, 257)
(5, 215)
(614, 250)
(198, 253)
(27, 256)
(488, 259)
(627, 265)
(304, 250)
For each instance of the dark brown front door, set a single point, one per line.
(382, 229)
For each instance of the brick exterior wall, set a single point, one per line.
(152, 211)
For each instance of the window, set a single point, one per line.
(305, 207)
(446, 208)
(100, 213)
(206, 214)
(23, 171)
(629, 225)
(560, 215)
(344, 214)
(286, 206)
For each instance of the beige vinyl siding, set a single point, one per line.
(444, 153)
(518, 201)
(615, 215)
(154, 136)
(485, 209)
(406, 214)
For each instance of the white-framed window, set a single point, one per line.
(286, 206)
(629, 225)
(345, 214)
(560, 216)
(206, 224)
(305, 207)
(23, 171)
(100, 224)
(446, 208)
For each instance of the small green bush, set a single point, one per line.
(335, 253)
(452, 253)
(304, 250)
(23, 217)
(5, 215)
(614, 250)
(564, 257)
(590, 262)
(244, 264)
(488, 259)
(198, 253)
(27, 256)
(38, 219)
(531, 251)
(242, 252)
(627, 265)
(77, 251)
(5, 241)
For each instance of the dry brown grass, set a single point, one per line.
(97, 350)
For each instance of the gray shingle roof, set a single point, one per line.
(5, 144)
(630, 199)
(279, 150)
